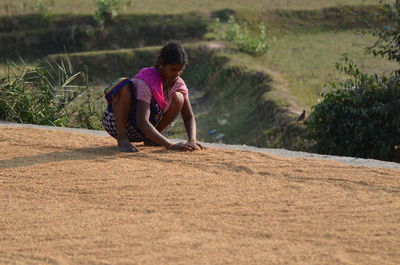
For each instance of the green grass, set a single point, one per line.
(14, 7)
(308, 60)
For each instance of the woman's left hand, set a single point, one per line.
(196, 146)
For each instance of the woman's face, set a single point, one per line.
(170, 72)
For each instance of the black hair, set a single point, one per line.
(172, 53)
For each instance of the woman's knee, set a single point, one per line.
(177, 99)
(126, 92)
(122, 101)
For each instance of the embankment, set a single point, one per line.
(232, 99)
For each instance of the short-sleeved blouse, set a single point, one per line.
(143, 91)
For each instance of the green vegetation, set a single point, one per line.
(359, 116)
(308, 60)
(250, 74)
(106, 11)
(43, 96)
(18, 7)
(388, 45)
(240, 35)
(43, 6)
(54, 34)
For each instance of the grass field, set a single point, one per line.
(174, 6)
(308, 60)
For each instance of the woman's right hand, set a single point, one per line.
(184, 146)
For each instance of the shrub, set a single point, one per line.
(359, 116)
(106, 11)
(38, 95)
(241, 36)
(43, 6)
(88, 113)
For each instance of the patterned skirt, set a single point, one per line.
(133, 134)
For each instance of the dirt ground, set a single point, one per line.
(70, 198)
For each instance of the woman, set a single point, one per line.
(140, 108)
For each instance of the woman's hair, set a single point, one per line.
(172, 53)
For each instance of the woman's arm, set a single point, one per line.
(190, 125)
(143, 123)
(189, 120)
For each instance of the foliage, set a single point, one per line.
(43, 6)
(88, 114)
(39, 95)
(359, 116)
(388, 44)
(106, 11)
(241, 36)
(205, 6)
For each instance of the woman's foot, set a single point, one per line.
(125, 146)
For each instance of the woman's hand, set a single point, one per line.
(196, 145)
(186, 146)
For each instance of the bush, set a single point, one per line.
(43, 6)
(38, 95)
(241, 36)
(106, 11)
(358, 117)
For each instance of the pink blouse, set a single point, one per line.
(143, 91)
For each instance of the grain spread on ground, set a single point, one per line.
(70, 198)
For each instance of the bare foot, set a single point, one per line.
(125, 146)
